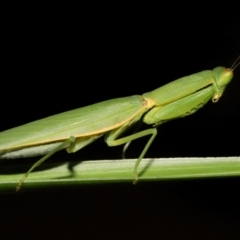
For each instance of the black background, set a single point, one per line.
(54, 60)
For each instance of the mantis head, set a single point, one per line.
(223, 77)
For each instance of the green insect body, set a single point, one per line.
(81, 123)
(75, 129)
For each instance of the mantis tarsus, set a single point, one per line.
(75, 129)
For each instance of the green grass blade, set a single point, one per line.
(108, 171)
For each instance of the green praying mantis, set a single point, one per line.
(76, 129)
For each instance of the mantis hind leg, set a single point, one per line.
(66, 144)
